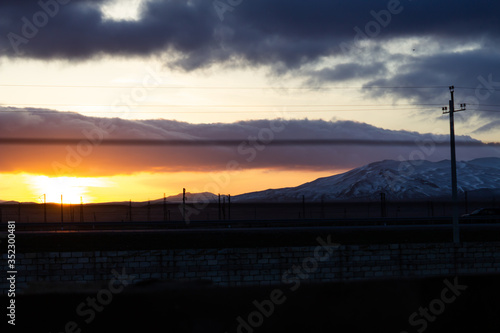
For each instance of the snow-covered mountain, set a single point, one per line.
(398, 180)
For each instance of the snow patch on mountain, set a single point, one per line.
(399, 180)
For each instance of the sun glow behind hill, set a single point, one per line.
(72, 189)
(145, 186)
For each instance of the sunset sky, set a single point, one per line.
(244, 70)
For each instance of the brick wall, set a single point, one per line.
(249, 266)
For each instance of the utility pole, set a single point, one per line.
(130, 210)
(62, 219)
(224, 208)
(219, 209)
(383, 207)
(81, 209)
(164, 208)
(466, 203)
(454, 189)
(303, 207)
(149, 210)
(45, 208)
(322, 206)
(184, 204)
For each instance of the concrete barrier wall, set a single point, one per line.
(324, 261)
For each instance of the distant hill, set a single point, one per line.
(190, 197)
(415, 180)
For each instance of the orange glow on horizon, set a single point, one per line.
(72, 189)
(148, 186)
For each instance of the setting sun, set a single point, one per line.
(71, 188)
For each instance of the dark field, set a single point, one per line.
(143, 212)
(172, 306)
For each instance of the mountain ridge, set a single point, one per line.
(399, 180)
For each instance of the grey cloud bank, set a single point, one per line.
(89, 158)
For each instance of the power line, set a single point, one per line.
(222, 87)
(472, 88)
(484, 104)
(228, 105)
(234, 142)
(218, 112)
(235, 88)
(310, 108)
(222, 112)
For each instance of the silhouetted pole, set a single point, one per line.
(430, 208)
(303, 207)
(62, 219)
(184, 204)
(454, 190)
(466, 203)
(149, 211)
(219, 208)
(224, 208)
(164, 208)
(229, 207)
(19, 212)
(81, 209)
(130, 210)
(45, 208)
(382, 205)
(322, 207)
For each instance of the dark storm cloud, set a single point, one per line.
(290, 33)
(345, 72)
(475, 74)
(252, 150)
(470, 69)
(286, 35)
